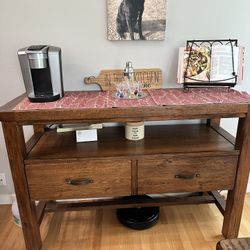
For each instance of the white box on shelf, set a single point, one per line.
(86, 135)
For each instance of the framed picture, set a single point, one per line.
(136, 19)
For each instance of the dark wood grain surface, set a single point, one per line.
(151, 113)
(107, 178)
(16, 147)
(171, 139)
(186, 174)
(235, 198)
(117, 166)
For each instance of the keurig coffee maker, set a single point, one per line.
(42, 72)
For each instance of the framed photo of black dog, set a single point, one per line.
(136, 19)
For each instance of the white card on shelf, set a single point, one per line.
(86, 135)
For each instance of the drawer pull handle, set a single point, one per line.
(79, 181)
(186, 176)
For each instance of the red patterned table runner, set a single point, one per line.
(71, 100)
(154, 97)
(198, 96)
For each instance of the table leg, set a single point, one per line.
(214, 122)
(235, 198)
(16, 148)
(38, 128)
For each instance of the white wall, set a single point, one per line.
(79, 28)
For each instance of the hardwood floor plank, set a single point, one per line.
(11, 236)
(183, 227)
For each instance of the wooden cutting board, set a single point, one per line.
(107, 79)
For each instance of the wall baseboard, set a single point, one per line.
(7, 199)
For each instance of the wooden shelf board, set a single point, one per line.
(61, 206)
(167, 139)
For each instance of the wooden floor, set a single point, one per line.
(180, 227)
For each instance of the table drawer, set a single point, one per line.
(90, 178)
(186, 174)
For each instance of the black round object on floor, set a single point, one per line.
(138, 218)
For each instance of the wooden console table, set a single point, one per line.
(171, 158)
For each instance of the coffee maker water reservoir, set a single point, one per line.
(42, 72)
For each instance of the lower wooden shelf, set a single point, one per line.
(169, 139)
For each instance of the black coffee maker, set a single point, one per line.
(42, 72)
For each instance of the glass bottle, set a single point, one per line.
(132, 86)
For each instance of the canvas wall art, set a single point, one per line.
(136, 19)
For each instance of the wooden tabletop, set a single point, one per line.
(160, 104)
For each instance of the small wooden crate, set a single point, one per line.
(234, 244)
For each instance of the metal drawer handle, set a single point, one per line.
(187, 176)
(79, 181)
